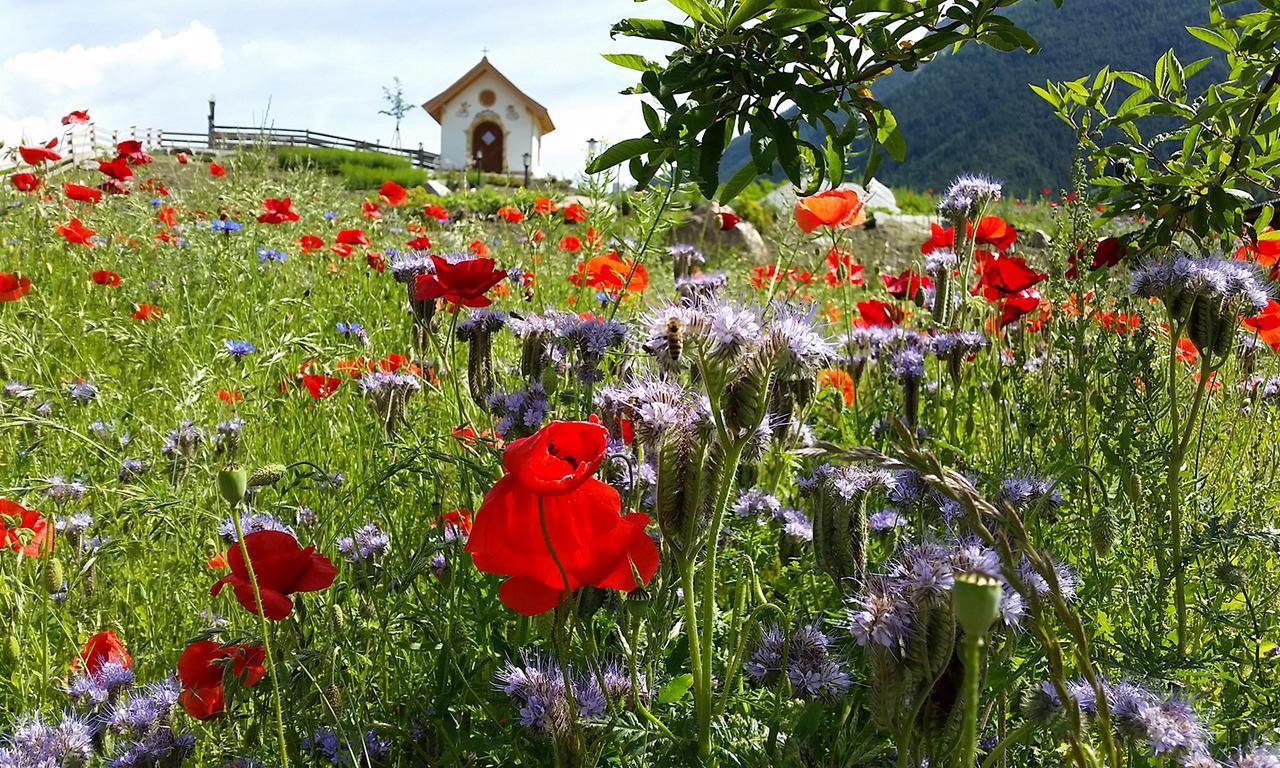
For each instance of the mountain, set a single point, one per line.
(973, 112)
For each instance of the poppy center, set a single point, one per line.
(552, 450)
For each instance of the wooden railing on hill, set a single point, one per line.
(82, 143)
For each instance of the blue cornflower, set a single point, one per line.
(226, 226)
(330, 215)
(238, 349)
(353, 330)
(270, 254)
(82, 390)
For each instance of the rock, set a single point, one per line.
(436, 188)
(904, 228)
(876, 197)
(1039, 239)
(589, 205)
(703, 230)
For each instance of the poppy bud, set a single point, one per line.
(480, 369)
(550, 379)
(233, 482)
(975, 598)
(53, 575)
(1133, 489)
(1104, 529)
(267, 475)
(11, 653)
(1231, 575)
(590, 600)
(333, 695)
(339, 619)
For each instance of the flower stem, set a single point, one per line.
(266, 638)
(972, 650)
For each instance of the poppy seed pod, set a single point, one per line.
(976, 601)
(54, 580)
(233, 482)
(267, 475)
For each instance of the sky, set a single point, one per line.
(319, 65)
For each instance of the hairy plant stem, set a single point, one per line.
(265, 628)
(972, 656)
(728, 473)
(567, 755)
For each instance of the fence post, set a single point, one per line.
(93, 136)
(212, 104)
(133, 132)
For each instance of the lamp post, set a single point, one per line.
(479, 170)
(591, 149)
(528, 161)
(213, 100)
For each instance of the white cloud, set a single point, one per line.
(195, 48)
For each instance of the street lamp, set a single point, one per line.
(479, 169)
(591, 149)
(528, 161)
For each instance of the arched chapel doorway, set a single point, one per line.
(487, 151)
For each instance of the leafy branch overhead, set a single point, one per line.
(1194, 162)
(769, 67)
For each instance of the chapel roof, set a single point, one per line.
(437, 105)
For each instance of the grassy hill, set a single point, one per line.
(974, 112)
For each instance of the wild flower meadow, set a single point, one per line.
(294, 476)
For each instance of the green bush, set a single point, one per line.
(332, 160)
(361, 177)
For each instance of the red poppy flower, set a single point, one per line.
(117, 169)
(839, 380)
(544, 206)
(392, 193)
(282, 567)
(841, 268)
(478, 248)
(1004, 276)
(24, 531)
(1110, 251)
(182, 158)
(1015, 307)
(217, 171)
(76, 233)
(319, 385)
(549, 487)
(106, 277)
(837, 208)
(369, 210)
(464, 283)
(376, 261)
(81, 193)
(613, 274)
(277, 211)
(99, 650)
(202, 667)
(1266, 252)
(13, 286)
(573, 214)
(394, 362)
(728, 220)
(229, 397)
(25, 182)
(310, 243)
(570, 244)
(131, 150)
(76, 117)
(421, 243)
(995, 232)
(435, 211)
(939, 239)
(40, 154)
(147, 312)
(1266, 324)
(876, 312)
(456, 523)
(511, 215)
(352, 237)
(762, 276)
(905, 285)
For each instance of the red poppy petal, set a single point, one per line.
(527, 596)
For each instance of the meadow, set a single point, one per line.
(303, 469)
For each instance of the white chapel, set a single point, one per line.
(486, 122)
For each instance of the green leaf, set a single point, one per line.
(631, 61)
(619, 153)
(675, 689)
(698, 10)
(709, 159)
(746, 11)
(890, 136)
